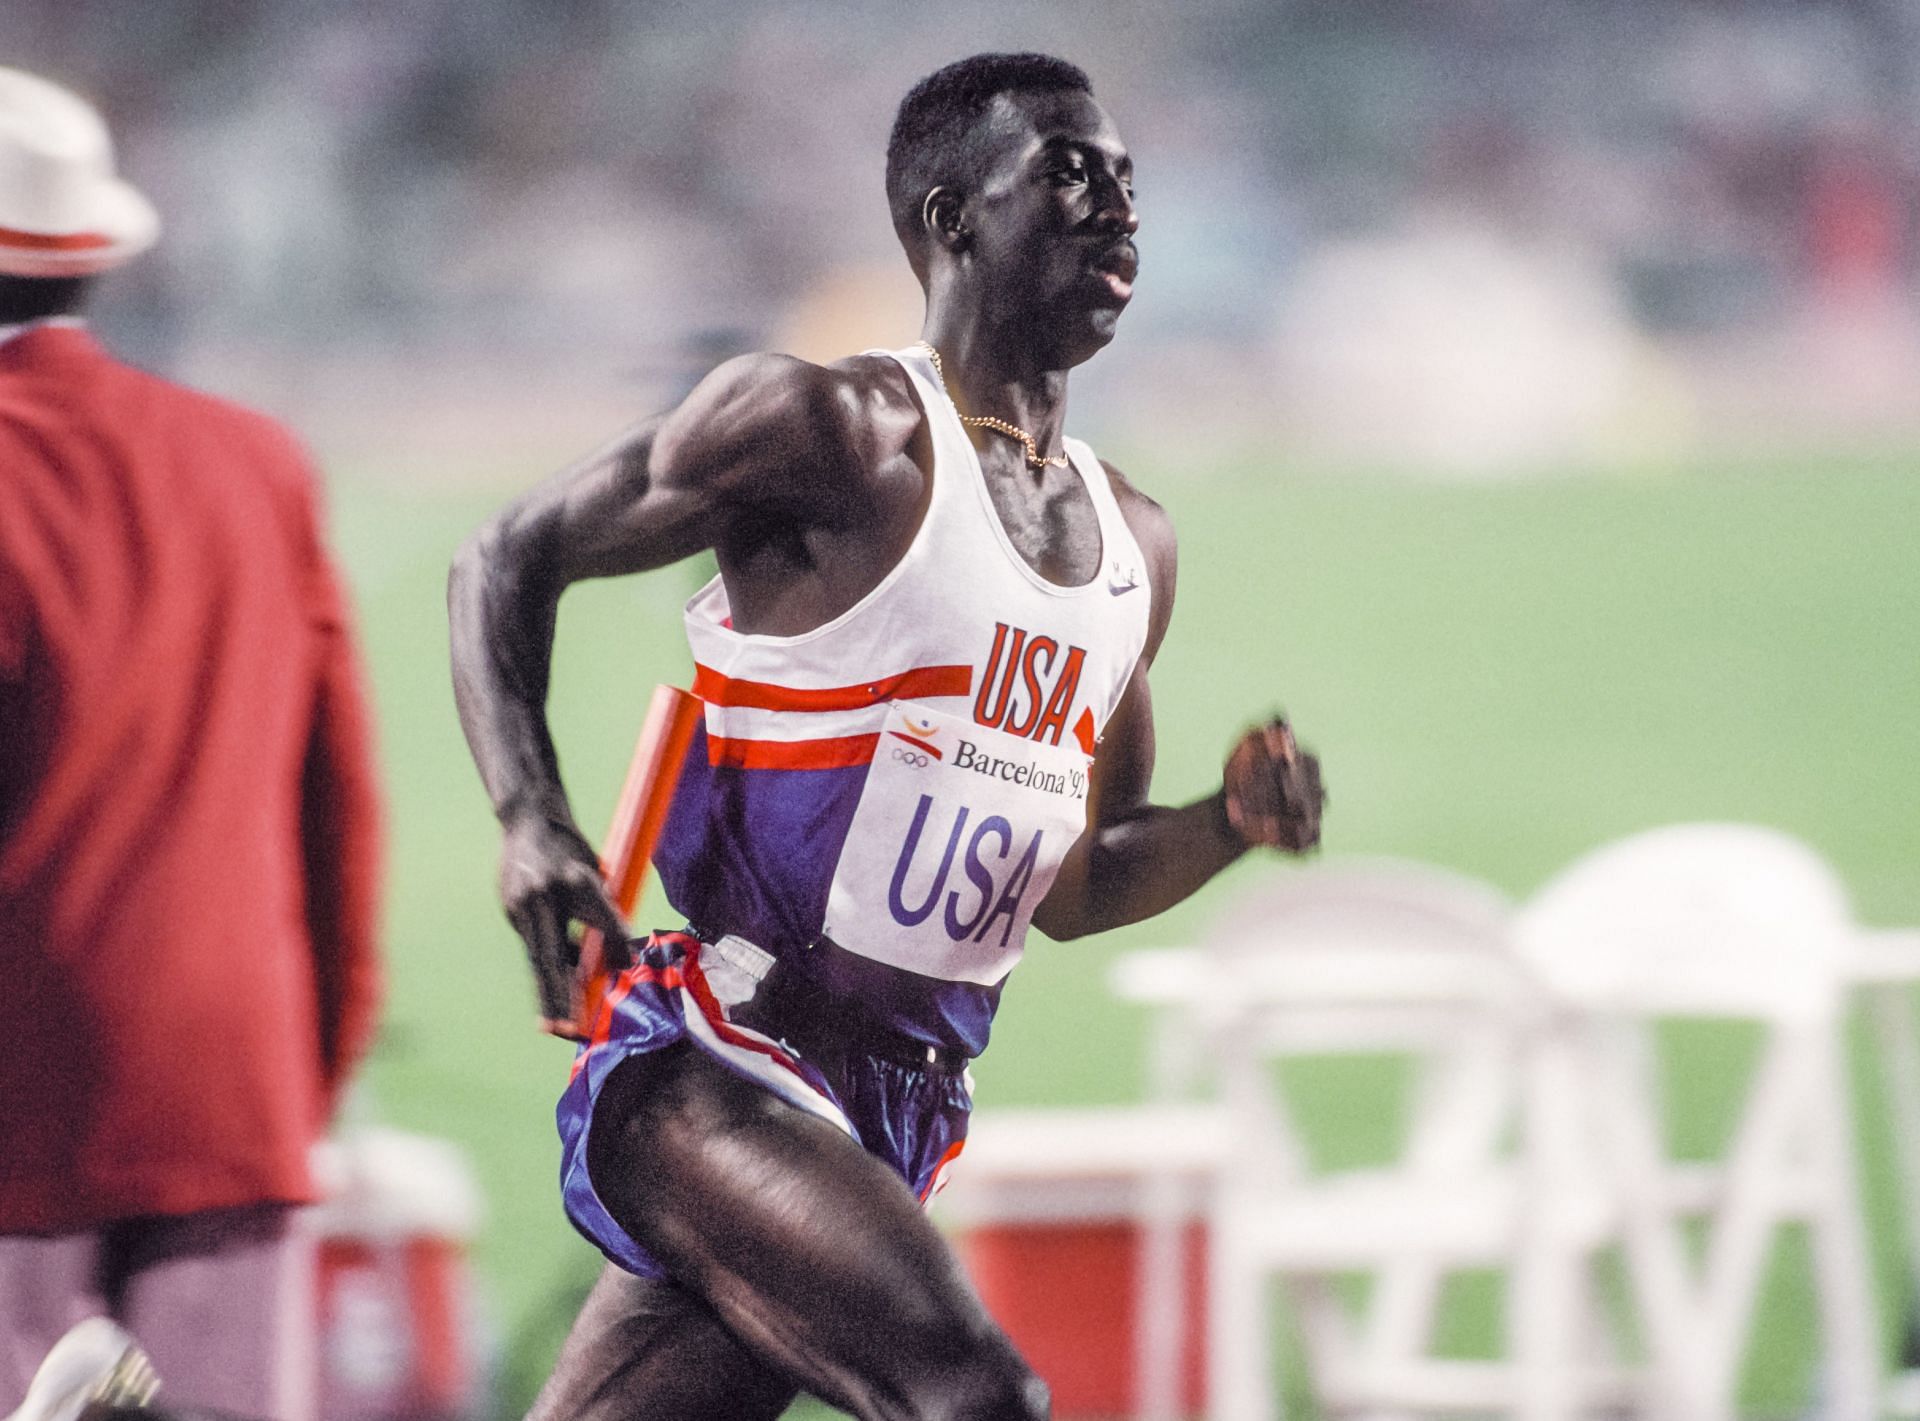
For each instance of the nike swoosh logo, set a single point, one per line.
(1116, 588)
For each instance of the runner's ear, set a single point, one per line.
(943, 215)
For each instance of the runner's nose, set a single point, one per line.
(1116, 210)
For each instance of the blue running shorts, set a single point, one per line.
(679, 988)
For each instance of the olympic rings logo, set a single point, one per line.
(911, 757)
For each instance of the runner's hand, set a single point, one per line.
(550, 881)
(1272, 789)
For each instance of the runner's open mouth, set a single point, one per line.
(1122, 262)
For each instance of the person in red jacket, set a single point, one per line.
(189, 823)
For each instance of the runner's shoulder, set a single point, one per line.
(882, 411)
(862, 406)
(1153, 530)
(1152, 526)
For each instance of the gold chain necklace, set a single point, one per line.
(1035, 459)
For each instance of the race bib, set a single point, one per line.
(957, 837)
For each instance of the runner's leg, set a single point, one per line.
(643, 1349)
(812, 1252)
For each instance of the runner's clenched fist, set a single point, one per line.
(1271, 789)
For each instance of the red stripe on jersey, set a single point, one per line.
(836, 753)
(922, 681)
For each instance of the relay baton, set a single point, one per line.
(645, 798)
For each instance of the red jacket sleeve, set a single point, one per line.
(14, 617)
(15, 639)
(13, 633)
(341, 835)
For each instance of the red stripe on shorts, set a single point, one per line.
(938, 1179)
(669, 978)
(710, 1008)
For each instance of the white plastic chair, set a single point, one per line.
(1353, 930)
(1884, 967)
(1726, 921)
(1341, 937)
(1401, 958)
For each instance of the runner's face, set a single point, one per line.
(1053, 220)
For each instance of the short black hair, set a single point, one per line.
(935, 130)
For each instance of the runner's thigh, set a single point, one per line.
(647, 1350)
(813, 1253)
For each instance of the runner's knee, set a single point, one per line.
(992, 1383)
(1011, 1393)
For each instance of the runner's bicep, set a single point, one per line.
(608, 515)
(1121, 774)
(661, 490)
(587, 520)
(757, 435)
(1123, 764)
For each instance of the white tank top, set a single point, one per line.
(905, 779)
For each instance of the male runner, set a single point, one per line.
(927, 724)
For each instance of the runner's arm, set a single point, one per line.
(1137, 858)
(759, 436)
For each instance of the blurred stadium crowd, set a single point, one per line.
(1541, 231)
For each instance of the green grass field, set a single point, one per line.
(1497, 679)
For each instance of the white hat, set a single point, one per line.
(62, 210)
